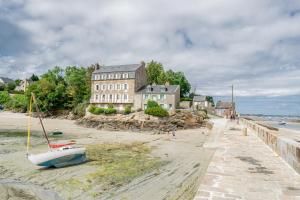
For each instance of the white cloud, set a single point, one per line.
(252, 44)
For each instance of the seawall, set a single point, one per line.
(285, 146)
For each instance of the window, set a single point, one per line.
(146, 96)
(110, 97)
(122, 86)
(170, 106)
(125, 86)
(111, 76)
(154, 97)
(118, 97)
(162, 96)
(125, 97)
(97, 87)
(118, 86)
(96, 97)
(125, 75)
(103, 97)
(111, 87)
(103, 87)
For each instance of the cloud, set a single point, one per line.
(251, 44)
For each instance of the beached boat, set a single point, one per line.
(59, 155)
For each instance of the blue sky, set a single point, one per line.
(253, 44)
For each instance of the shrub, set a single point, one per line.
(109, 111)
(79, 110)
(152, 104)
(157, 111)
(127, 109)
(4, 97)
(186, 99)
(92, 109)
(98, 111)
(18, 103)
(110, 106)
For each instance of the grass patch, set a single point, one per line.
(13, 134)
(119, 163)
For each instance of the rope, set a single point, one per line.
(29, 124)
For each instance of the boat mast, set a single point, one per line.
(41, 121)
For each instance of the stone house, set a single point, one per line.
(224, 109)
(167, 96)
(122, 85)
(200, 103)
(117, 84)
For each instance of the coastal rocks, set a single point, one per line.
(142, 122)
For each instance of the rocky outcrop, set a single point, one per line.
(142, 122)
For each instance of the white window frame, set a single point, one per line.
(125, 88)
(126, 99)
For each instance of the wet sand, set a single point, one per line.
(186, 157)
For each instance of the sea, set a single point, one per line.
(272, 109)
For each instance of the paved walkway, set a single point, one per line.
(243, 167)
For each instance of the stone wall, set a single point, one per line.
(287, 148)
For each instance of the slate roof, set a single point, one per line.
(224, 105)
(6, 80)
(199, 98)
(118, 68)
(159, 89)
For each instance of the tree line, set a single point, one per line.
(69, 88)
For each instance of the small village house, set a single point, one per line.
(167, 96)
(23, 85)
(224, 109)
(200, 102)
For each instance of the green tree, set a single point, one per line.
(155, 73)
(34, 78)
(4, 97)
(50, 90)
(17, 82)
(178, 78)
(78, 88)
(10, 86)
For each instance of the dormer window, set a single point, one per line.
(125, 75)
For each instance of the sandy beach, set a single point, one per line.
(184, 154)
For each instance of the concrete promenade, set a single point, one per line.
(244, 167)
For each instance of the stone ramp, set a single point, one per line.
(244, 167)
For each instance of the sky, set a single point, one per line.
(253, 44)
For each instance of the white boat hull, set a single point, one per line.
(59, 157)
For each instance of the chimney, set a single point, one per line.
(96, 66)
(143, 63)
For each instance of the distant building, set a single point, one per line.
(23, 85)
(167, 96)
(201, 103)
(117, 84)
(5, 81)
(224, 109)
